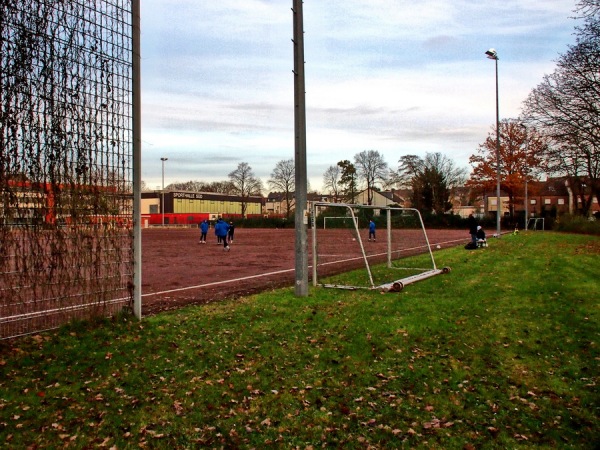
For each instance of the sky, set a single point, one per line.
(398, 76)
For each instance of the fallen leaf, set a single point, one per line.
(178, 408)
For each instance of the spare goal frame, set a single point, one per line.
(392, 286)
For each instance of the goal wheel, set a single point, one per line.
(446, 270)
(397, 286)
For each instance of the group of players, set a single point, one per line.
(223, 230)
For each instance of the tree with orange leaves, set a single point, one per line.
(521, 158)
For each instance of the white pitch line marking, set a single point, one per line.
(216, 283)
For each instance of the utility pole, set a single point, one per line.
(137, 158)
(526, 174)
(162, 201)
(300, 216)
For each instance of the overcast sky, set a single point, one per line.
(397, 76)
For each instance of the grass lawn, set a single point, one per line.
(502, 352)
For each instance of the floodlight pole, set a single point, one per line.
(526, 205)
(137, 157)
(162, 191)
(492, 54)
(301, 213)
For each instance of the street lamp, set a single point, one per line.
(162, 202)
(526, 173)
(492, 54)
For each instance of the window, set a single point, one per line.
(561, 201)
(547, 201)
(534, 202)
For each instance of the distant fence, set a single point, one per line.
(66, 188)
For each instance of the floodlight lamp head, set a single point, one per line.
(492, 54)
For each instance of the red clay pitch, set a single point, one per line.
(178, 271)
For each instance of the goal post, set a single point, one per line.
(399, 233)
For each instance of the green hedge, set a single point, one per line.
(577, 224)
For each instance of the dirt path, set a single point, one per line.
(178, 271)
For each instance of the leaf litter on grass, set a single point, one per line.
(453, 361)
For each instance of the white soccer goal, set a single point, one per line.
(400, 234)
(535, 224)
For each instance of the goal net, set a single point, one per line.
(340, 222)
(351, 256)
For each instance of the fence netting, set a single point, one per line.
(66, 158)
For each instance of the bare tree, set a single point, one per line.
(283, 180)
(433, 180)
(223, 187)
(589, 9)
(144, 187)
(410, 165)
(332, 181)
(245, 184)
(371, 169)
(566, 106)
(192, 186)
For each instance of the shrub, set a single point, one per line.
(577, 224)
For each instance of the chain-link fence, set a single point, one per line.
(66, 188)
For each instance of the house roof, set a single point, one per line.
(393, 195)
(277, 196)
